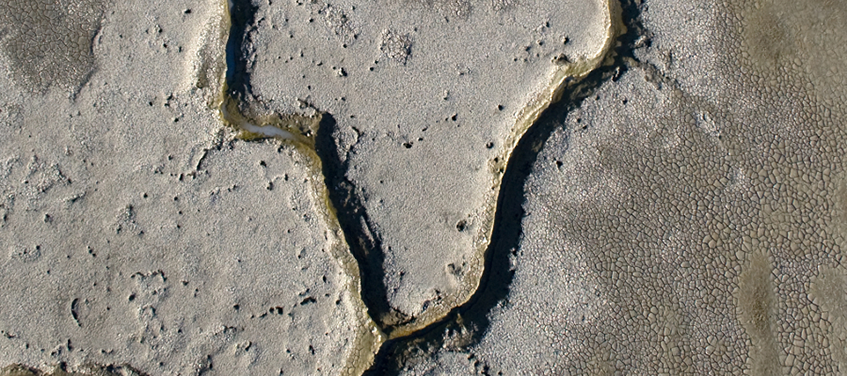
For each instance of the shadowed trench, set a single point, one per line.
(472, 317)
(242, 15)
(366, 244)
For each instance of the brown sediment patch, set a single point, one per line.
(788, 43)
(829, 291)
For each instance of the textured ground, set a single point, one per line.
(687, 218)
(415, 139)
(134, 229)
(682, 210)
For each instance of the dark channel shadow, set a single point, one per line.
(472, 317)
(365, 243)
(242, 15)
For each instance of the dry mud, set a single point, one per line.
(384, 188)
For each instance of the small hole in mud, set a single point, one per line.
(461, 225)
(407, 145)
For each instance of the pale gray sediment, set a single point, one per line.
(371, 227)
(366, 245)
(681, 211)
(136, 230)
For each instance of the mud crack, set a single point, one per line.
(465, 324)
(239, 110)
(389, 337)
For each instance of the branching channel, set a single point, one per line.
(359, 251)
(466, 324)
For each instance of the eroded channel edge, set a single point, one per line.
(210, 77)
(299, 131)
(563, 75)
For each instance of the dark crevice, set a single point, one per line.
(365, 243)
(242, 18)
(472, 317)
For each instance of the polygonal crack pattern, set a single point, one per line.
(50, 42)
(687, 218)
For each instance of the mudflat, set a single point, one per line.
(422, 187)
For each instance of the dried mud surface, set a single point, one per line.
(320, 188)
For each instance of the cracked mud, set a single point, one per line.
(303, 130)
(645, 187)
